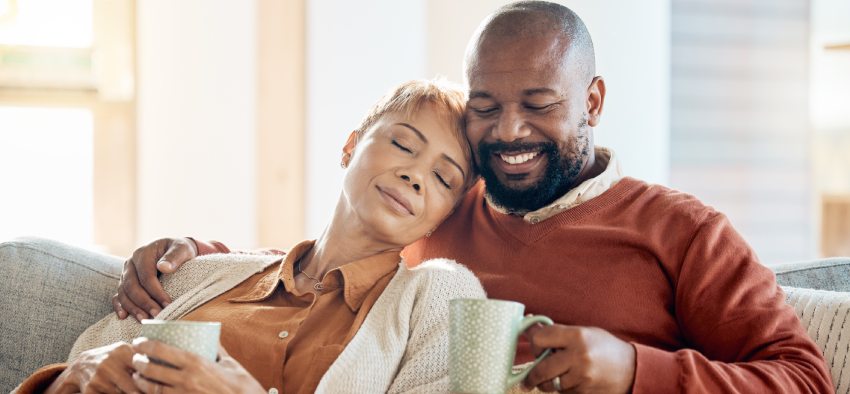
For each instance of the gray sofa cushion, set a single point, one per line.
(49, 293)
(831, 274)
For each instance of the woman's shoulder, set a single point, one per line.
(445, 277)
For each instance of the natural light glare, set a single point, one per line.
(48, 23)
(46, 169)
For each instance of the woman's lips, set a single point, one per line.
(396, 200)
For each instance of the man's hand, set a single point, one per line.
(139, 293)
(586, 359)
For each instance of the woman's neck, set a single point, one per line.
(344, 240)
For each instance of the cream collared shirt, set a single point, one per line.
(587, 190)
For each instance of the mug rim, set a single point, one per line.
(160, 322)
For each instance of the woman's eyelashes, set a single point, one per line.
(443, 181)
(400, 146)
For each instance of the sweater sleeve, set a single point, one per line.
(425, 365)
(41, 379)
(742, 335)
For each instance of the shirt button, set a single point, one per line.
(319, 286)
(535, 220)
(282, 335)
(272, 390)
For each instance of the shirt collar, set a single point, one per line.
(585, 191)
(357, 277)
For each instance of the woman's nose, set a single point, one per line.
(407, 179)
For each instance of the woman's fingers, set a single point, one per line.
(151, 387)
(162, 352)
(152, 370)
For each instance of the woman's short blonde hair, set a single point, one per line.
(447, 98)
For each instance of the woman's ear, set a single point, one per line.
(348, 149)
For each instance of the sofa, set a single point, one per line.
(50, 292)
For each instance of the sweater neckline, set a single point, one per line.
(515, 227)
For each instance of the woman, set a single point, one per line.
(339, 314)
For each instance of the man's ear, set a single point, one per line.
(348, 148)
(595, 100)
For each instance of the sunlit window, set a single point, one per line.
(46, 23)
(46, 167)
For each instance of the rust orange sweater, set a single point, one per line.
(653, 266)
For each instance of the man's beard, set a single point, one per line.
(562, 170)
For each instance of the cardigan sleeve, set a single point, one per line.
(41, 379)
(425, 363)
(741, 334)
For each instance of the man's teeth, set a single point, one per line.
(518, 159)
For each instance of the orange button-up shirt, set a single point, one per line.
(286, 339)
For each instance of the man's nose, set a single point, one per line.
(510, 126)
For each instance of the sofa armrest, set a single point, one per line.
(831, 274)
(826, 317)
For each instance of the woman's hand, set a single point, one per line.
(105, 369)
(191, 373)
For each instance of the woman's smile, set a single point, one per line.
(395, 200)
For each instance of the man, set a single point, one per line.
(653, 291)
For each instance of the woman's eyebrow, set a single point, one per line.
(418, 133)
(445, 156)
(462, 173)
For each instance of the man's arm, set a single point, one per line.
(743, 335)
(740, 334)
(139, 292)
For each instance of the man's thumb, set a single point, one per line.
(177, 254)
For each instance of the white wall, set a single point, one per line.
(197, 120)
(358, 50)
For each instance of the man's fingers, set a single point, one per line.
(553, 365)
(130, 307)
(557, 336)
(179, 252)
(119, 310)
(144, 274)
(140, 297)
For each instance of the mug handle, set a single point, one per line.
(516, 377)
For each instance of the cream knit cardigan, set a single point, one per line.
(402, 345)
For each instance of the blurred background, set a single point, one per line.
(123, 121)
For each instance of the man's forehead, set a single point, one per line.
(517, 56)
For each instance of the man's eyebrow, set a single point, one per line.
(418, 133)
(445, 156)
(531, 92)
(478, 94)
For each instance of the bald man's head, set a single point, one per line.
(531, 20)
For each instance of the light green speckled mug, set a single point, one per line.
(482, 344)
(200, 338)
